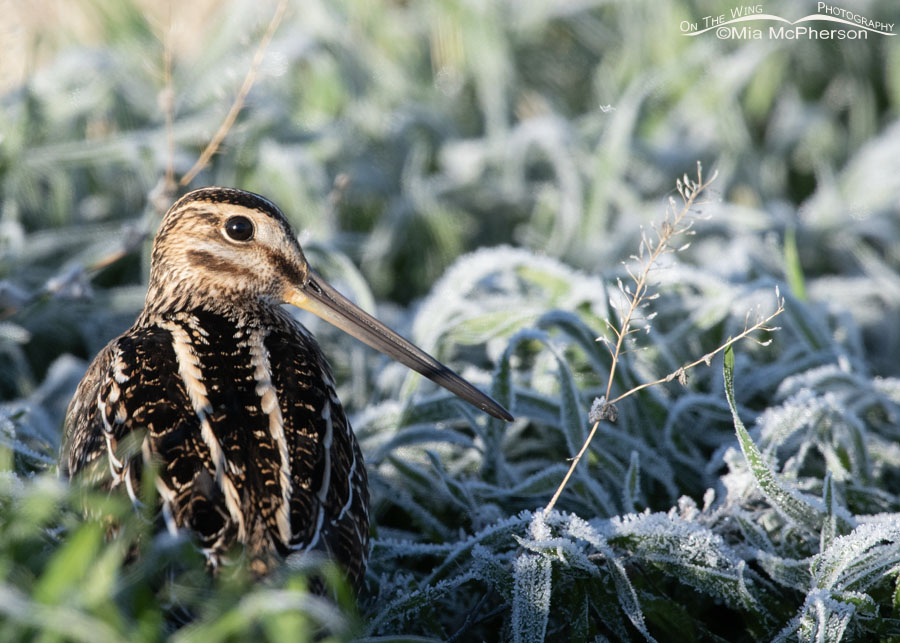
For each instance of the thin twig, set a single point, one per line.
(679, 373)
(689, 191)
(676, 374)
(575, 461)
(168, 105)
(238, 103)
(640, 288)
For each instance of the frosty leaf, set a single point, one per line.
(785, 571)
(859, 559)
(531, 597)
(823, 617)
(627, 596)
(578, 332)
(796, 506)
(493, 569)
(571, 417)
(410, 604)
(829, 525)
(632, 485)
(502, 388)
(538, 484)
(753, 533)
(494, 536)
(537, 406)
(421, 435)
(687, 552)
(421, 515)
(478, 330)
(454, 490)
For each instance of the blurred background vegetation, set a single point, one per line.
(398, 137)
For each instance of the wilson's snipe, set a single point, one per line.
(230, 398)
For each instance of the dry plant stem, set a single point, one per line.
(168, 101)
(238, 103)
(640, 286)
(689, 192)
(168, 105)
(575, 461)
(761, 326)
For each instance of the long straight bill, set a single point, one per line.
(319, 298)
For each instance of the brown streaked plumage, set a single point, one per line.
(232, 399)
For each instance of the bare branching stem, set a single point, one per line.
(575, 461)
(761, 325)
(238, 104)
(168, 105)
(675, 223)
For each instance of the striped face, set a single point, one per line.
(221, 249)
(223, 246)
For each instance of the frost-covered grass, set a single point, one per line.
(476, 173)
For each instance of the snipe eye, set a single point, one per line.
(239, 228)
